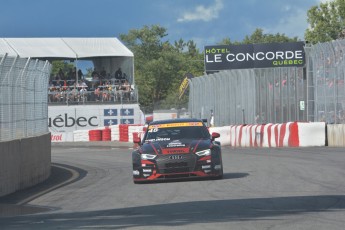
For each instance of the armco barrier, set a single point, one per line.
(24, 163)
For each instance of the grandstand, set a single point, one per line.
(106, 54)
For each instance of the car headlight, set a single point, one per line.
(148, 156)
(205, 152)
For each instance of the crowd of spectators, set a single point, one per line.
(102, 87)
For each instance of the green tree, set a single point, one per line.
(258, 36)
(160, 66)
(60, 64)
(326, 22)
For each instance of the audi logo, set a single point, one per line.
(175, 157)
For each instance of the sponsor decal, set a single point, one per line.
(175, 144)
(171, 125)
(67, 121)
(176, 150)
(175, 157)
(249, 56)
(217, 167)
(206, 166)
(147, 170)
(56, 137)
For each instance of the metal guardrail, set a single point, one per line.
(23, 97)
(79, 95)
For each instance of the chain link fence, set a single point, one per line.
(23, 97)
(275, 95)
(326, 74)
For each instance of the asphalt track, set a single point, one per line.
(277, 188)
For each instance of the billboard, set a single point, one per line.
(266, 55)
(70, 118)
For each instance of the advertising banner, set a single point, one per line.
(266, 55)
(70, 118)
(184, 85)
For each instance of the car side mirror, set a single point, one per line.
(136, 140)
(215, 135)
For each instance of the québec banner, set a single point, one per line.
(266, 55)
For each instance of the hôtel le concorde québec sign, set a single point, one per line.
(266, 55)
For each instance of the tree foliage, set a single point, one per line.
(258, 36)
(326, 22)
(60, 64)
(159, 66)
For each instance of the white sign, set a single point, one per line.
(301, 105)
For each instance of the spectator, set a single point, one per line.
(80, 74)
(118, 74)
(126, 87)
(61, 75)
(98, 93)
(103, 73)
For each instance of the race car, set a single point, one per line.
(177, 149)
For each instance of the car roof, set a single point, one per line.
(176, 120)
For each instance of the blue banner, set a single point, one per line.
(127, 121)
(127, 112)
(108, 122)
(110, 112)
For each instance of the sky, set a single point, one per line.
(206, 22)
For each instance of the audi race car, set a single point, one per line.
(177, 148)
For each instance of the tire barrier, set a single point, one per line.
(123, 133)
(106, 134)
(95, 135)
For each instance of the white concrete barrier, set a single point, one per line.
(336, 135)
(290, 134)
(312, 134)
(224, 134)
(24, 163)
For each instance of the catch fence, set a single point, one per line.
(23, 97)
(315, 92)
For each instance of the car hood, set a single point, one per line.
(175, 147)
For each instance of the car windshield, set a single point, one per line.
(177, 131)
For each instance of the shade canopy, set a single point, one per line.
(69, 48)
(105, 53)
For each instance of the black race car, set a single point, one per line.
(177, 148)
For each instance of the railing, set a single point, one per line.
(87, 92)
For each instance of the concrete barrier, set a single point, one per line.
(24, 163)
(290, 134)
(336, 135)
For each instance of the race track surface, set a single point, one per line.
(268, 188)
